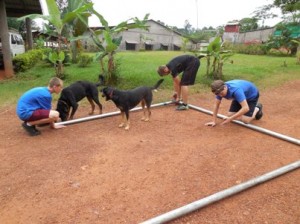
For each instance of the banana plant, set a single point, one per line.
(214, 50)
(298, 51)
(58, 22)
(108, 41)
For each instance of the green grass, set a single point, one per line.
(139, 68)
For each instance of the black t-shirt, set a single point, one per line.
(180, 63)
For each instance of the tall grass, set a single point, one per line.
(139, 68)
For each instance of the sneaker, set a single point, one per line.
(259, 113)
(177, 102)
(31, 130)
(182, 107)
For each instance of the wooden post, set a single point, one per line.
(7, 57)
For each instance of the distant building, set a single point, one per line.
(231, 32)
(159, 37)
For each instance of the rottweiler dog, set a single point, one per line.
(74, 93)
(125, 100)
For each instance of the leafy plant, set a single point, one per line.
(107, 41)
(298, 50)
(84, 60)
(218, 55)
(58, 21)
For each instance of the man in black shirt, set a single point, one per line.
(188, 65)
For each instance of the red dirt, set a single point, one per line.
(95, 172)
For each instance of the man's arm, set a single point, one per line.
(244, 109)
(215, 113)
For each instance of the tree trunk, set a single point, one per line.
(208, 66)
(7, 58)
(220, 70)
(29, 34)
(74, 51)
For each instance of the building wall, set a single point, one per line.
(157, 37)
(257, 36)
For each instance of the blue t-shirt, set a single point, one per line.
(240, 90)
(34, 99)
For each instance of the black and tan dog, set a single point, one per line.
(125, 100)
(76, 92)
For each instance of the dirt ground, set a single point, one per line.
(95, 172)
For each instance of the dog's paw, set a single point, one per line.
(127, 128)
(121, 125)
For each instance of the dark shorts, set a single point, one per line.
(189, 75)
(235, 106)
(39, 115)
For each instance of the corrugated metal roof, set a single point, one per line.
(18, 8)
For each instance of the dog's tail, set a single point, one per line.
(101, 80)
(157, 84)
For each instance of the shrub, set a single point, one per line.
(84, 60)
(27, 60)
(250, 48)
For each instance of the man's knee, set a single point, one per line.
(54, 114)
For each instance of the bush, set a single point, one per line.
(27, 60)
(84, 60)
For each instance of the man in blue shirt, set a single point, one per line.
(244, 105)
(34, 107)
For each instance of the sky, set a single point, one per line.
(199, 13)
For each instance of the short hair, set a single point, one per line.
(55, 82)
(161, 70)
(217, 86)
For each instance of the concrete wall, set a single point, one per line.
(157, 37)
(257, 36)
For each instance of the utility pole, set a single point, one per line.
(197, 12)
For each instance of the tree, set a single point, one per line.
(298, 51)
(108, 41)
(264, 13)
(14, 23)
(289, 8)
(283, 39)
(75, 28)
(248, 24)
(58, 22)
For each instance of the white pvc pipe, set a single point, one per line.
(251, 126)
(74, 121)
(171, 215)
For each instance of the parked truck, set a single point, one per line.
(16, 44)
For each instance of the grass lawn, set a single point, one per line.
(139, 68)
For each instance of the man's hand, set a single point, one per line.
(226, 120)
(211, 124)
